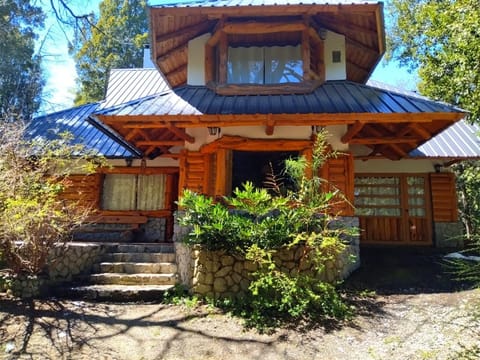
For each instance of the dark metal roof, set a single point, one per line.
(461, 140)
(93, 136)
(333, 97)
(230, 3)
(128, 84)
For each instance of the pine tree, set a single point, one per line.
(21, 80)
(114, 40)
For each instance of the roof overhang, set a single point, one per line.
(172, 27)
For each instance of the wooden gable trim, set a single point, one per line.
(247, 144)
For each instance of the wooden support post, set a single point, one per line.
(223, 59)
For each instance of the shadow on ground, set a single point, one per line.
(403, 271)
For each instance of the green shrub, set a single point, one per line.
(256, 223)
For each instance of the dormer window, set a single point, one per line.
(264, 65)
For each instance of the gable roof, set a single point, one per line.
(125, 85)
(94, 137)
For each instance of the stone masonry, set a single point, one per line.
(218, 274)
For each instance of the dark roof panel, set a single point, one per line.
(331, 97)
(85, 131)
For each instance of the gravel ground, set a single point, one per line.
(413, 312)
(408, 326)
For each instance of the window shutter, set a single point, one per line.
(444, 197)
(195, 172)
(338, 172)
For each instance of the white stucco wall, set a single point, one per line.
(335, 71)
(196, 60)
(389, 166)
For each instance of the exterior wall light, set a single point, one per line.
(316, 129)
(129, 162)
(438, 168)
(213, 131)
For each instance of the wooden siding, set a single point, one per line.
(444, 197)
(195, 172)
(84, 190)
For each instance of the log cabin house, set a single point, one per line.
(235, 85)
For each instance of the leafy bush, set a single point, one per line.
(32, 218)
(255, 223)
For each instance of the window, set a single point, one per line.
(133, 192)
(264, 65)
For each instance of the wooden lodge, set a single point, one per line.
(233, 87)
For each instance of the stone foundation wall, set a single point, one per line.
(448, 234)
(73, 259)
(217, 274)
(65, 262)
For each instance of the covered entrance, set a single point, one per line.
(394, 209)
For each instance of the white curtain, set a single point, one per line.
(119, 192)
(264, 65)
(151, 192)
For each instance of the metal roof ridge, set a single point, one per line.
(56, 113)
(132, 102)
(112, 134)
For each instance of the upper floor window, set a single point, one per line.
(264, 65)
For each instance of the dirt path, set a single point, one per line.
(420, 326)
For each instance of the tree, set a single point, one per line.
(21, 81)
(114, 40)
(32, 219)
(441, 39)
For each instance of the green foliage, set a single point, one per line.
(32, 219)
(115, 41)
(21, 79)
(442, 40)
(259, 225)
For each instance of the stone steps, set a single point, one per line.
(128, 272)
(133, 279)
(139, 257)
(121, 293)
(133, 268)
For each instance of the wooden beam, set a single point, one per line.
(262, 27)
(209, 64)
(247, 144)
(180, 69)
(306, 54)
(352, 131)
(160, 143)
(361, 47)
(180, 133)
(138, 170)
(397, 149)
(323, 119)
(384, 140)
(420, 130)
(181, 48)
(270, 127)
(304, 87)
(223, 58)
(190, 31)
(344, 27)
(131, 134)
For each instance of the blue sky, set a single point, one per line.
(60, 67)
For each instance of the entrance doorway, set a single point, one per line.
(394, 209)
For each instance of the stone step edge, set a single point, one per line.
(141, 275)
(136, 263)
(120, 293)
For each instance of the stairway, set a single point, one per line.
(129, 272)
